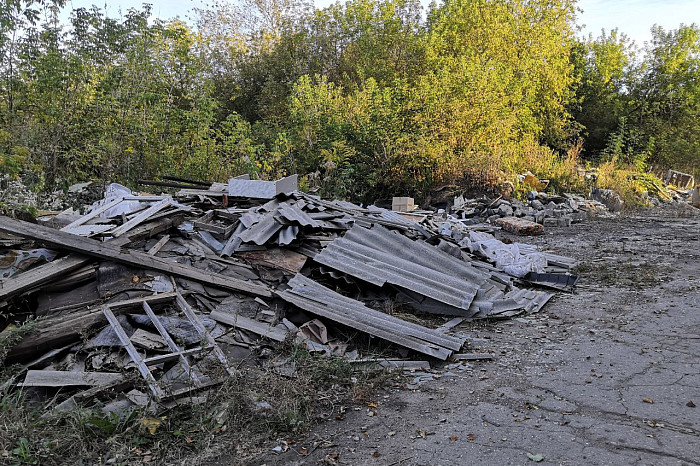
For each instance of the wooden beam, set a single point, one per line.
(69, 378)
(60, 330)
(141, 217)
(42, 274)
(91, 247)
(47, 273)
(251, 325)
(158, 246)
(131, 350)
(82, 220)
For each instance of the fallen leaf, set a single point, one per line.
(303, 451)
(690, 404)
(648, 400)
(150, 424)
(536, 458)
(373, 405)
(454, 438)
(471, 437)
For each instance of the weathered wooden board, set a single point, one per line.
(68, 378)
(58, 268)
(90, 247)
(58, 331)
(251, 325)
(44, 273)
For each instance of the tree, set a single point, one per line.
(667, 93)
(604, 68)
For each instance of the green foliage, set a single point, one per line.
(668, 97)
(624, 145)
(604, 68)
(374, 96)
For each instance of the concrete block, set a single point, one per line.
(402, 204)
(520, 226)
(505, 210)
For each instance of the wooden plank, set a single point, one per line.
(61, 330)
(56, 269)
(82, 398)
(201, 192)
(277, 258)
(147, 340)
(67, 378)
(91, 247)
(364, 315)
(352, 321)
(444, 328)
(251, 325)
(161, 358)
(201, 329)
(158, 246)
(472, 357)
(42, 274)
(133, 354)
(391, 364)
(141, 217)
(85, 218)
(81, 275)
(171, 344)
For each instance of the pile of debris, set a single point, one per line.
(180, 288)
(541, 208)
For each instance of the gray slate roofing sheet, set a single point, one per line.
(380, 256)
(315, 298)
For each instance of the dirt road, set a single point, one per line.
(607, 376)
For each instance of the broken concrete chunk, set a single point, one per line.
(520, 226)
(609, 198)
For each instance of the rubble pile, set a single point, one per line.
(146, 299)
(541, 208)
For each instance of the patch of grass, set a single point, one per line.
(250, 408)
(11, 337)
(624, 274)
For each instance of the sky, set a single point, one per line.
(632, 17)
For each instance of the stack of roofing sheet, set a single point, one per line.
(319, 300)
(428, 277)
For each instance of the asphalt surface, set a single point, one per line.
(609, 375)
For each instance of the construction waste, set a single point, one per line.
(144, 300)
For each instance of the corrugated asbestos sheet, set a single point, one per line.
(319, 300)
(427, 277)
(280, 221)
